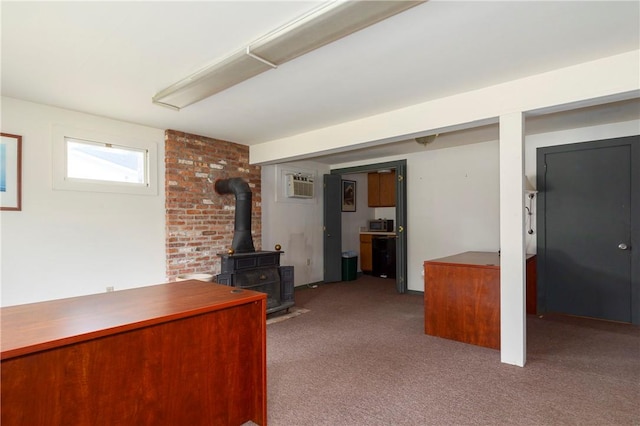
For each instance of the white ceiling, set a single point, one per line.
(110, 58)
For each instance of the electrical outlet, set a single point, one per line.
(109, 289)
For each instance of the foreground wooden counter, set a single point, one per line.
(184, 353)
(462, 297)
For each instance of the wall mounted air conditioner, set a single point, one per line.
(299, 186)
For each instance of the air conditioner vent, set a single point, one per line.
(299, 186)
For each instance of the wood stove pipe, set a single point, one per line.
(242, 239)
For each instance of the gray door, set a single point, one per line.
(332, 234)
(401, 228)
(585, 209)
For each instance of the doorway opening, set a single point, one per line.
(396, 251)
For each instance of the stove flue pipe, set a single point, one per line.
(242, 239)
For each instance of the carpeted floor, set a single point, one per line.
(359, 356)
(283, 316)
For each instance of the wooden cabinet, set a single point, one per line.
(366, 253)
(462, 297)
(185, 353)
(382, 189)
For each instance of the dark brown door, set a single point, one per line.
(587, 211)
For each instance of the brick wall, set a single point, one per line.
(199, 222)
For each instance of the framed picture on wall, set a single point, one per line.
(348, 196)
(10, 172)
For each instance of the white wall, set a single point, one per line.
(295, 224)
(453, 200)
(452, 203)
(70, 243)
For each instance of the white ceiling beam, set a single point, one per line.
(602, 80)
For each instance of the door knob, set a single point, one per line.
(623, 246)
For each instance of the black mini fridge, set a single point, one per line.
(384, 256)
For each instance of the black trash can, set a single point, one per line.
(349, 266)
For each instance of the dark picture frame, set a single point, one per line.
(348, 196)
(11, 172)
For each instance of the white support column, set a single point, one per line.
(513, 335)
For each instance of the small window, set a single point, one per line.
(105, 162)
(85, 160)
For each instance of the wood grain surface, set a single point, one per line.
(462, 297)
(181, 353)
(463, 303)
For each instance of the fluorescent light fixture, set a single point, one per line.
(210, 80)
(321, 26)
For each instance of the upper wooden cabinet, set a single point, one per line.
(382, 189)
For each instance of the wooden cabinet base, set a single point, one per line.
(206, 367)
(462, 297)
(366, 253)
(462, 303)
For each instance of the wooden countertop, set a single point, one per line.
(39, 326)
(486, 259)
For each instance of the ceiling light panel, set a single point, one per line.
(210, 80)
(322, 26)
(319, 27)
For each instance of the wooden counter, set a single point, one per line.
(462, 297)
(188, 352)
(378, 233)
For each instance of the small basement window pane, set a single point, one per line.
(105, 162)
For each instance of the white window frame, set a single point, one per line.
(61, 181)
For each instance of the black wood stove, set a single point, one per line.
(243, 266)
(260, 271)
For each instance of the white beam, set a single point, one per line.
(513, 335)
(573, 85)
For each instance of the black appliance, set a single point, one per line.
(384, 256)
(380, 225)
